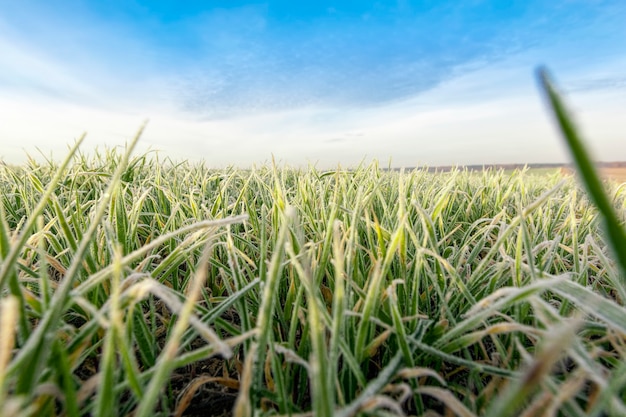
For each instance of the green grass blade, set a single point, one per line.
(67, 381)
(593, 304)
(105, 398)
(32, 354)
(5, 232)
(558, 340)
(339, 302)
(321, 387)
(268, 301)
(588, 173)
(165, 363)
(374, 386)
(9, 310)
(144, 338)
(10, 259)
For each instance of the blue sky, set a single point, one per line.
(233, 83)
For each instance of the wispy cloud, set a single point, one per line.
(592, 84)
(247, 59)
(370, 58)
(299, 78)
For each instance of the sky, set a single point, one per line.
(323, 83)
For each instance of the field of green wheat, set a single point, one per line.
(133, 285)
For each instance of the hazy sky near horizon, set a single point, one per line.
(311, 82)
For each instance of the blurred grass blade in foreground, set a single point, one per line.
(587, 172)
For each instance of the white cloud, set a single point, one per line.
(492, 115)
(486, 113)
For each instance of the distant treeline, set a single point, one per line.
(447, 168)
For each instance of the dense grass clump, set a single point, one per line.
(138, 286)
(194, 290)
